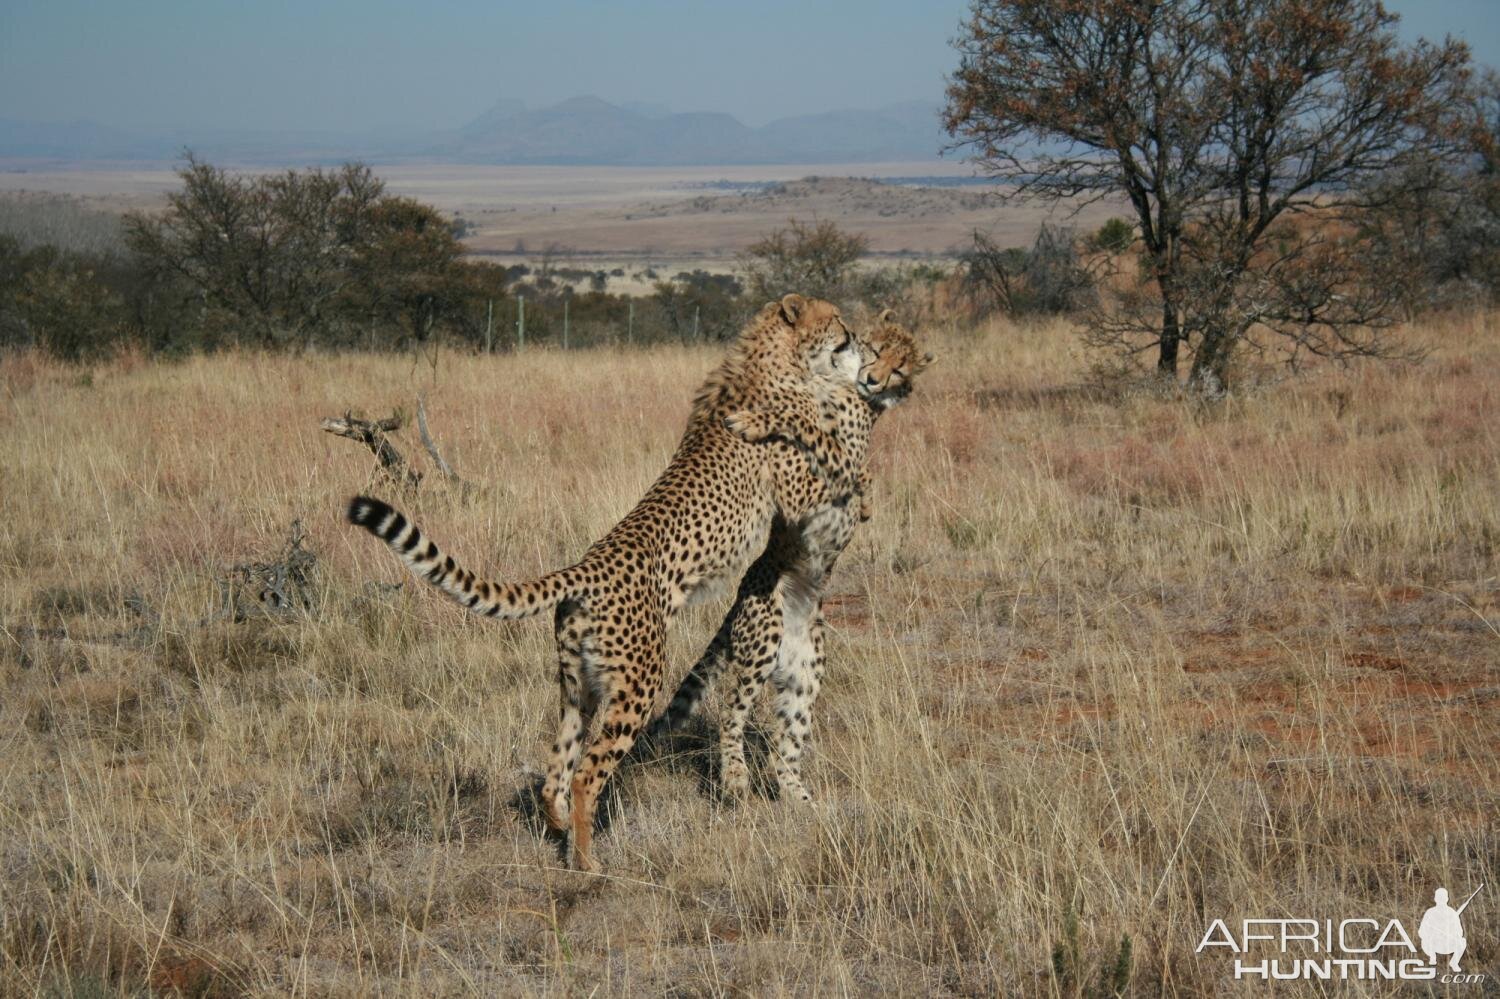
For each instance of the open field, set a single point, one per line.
(1103, 665)
(458, 187)
(670, 218)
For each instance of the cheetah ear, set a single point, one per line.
(886, 315)
(792, 307)
(922, 365)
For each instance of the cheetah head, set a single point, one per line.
(822, 337)
(892, 361)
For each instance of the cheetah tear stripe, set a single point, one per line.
(509, 601)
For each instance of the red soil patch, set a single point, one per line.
(1405, 687)
(1283, 731)
(193, 976)
(1374, 660)
(1217, 651)
(1084, 712)
(1413, 742)
(846, 610)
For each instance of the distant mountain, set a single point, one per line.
(581, 130)
(588, 130)
(502, 112)
(646, 108)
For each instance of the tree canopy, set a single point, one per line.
(1225, 125)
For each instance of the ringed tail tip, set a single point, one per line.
(366, 511)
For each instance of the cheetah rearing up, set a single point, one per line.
(775, 628)
(705, 517)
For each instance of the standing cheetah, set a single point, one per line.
(704, 518)
(775, 628)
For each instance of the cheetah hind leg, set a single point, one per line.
(798, 678)
(757, 636)
(634, 677)
(576, 712)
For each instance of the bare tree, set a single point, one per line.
(65, 223)
(1439, 223)
(988, 275)
(1050, 278)
(816, 260)
(1231, 127)
(313, 255)
(275, 252)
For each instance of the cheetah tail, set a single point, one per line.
(426, 561)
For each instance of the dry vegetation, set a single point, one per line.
(1104, 661)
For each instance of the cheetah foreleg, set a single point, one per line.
(824, 454)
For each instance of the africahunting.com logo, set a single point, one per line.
(1339, 950)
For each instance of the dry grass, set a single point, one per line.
(1120, 664)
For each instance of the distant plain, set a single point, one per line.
(668, 218)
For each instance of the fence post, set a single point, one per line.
(630, 323)
(565, 324)
(520, 322)
(695, 324)
(489, 329)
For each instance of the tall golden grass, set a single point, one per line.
(1105, 666)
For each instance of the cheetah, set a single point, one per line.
(775, 628)
(702, 520)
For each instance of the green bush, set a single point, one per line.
(312, 257)
(60, 301)
(1114, 236)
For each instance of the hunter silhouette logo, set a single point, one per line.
(1359, 948)
(1442, 932)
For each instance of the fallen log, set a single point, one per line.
(372, 434)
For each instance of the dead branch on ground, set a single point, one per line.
(372, 434)
(279, 588)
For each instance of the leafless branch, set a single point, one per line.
(372, 434)
(282, 587)
(432, 449)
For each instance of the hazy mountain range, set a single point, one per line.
(582, 130)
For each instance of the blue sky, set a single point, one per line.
(358, 65)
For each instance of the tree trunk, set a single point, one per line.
(1171, 336)
(1210, 373)
(1171, 317)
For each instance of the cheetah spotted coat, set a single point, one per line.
(704, 518)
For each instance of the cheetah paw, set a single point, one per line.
(749, 426)
(735, 786)
(557, 813)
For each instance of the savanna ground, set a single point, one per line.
(1104, 665)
